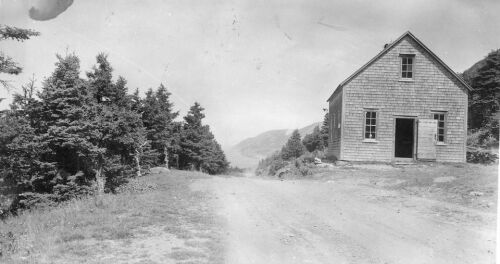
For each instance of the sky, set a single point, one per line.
(254, 65)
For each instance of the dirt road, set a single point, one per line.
(305, 221)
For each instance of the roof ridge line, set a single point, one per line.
(391, 45)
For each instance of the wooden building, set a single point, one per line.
(404, 104)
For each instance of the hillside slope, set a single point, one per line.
(248, 152)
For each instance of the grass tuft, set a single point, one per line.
(131, 226)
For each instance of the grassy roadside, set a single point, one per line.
(156, 219)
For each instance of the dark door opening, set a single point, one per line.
(404, 138)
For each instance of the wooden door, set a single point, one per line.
(426, 139)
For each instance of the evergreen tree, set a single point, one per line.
(313, 141)
(325, 128)
(100, 79)
(117, 128)
(135, 102)
(21, 157)
(293, 147)
(47, 154)
(7, 64)
(64, 105)
(199, 149)
(484, 102)
(119, 95)
(158, 117)
(192, 138)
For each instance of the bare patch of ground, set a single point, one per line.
(361, 214)
(470, 185)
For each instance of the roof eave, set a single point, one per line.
(460, 79)
(339, 88)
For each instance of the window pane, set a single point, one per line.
(410, 60)
(441, 131)
(404, 61)
(436, 116)
(409, 68)
(441, 138)
(404, 68)
(370, 124)
(441, 124)
(441, 117)
(409, 75)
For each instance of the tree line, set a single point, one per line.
(484, 100)
(298, 153)
(78, 136)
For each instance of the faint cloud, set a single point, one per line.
(48, 9)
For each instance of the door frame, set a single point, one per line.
(415, 137)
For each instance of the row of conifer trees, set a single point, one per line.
(77, 136)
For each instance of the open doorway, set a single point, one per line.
(404, 138)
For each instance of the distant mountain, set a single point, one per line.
(248, 152)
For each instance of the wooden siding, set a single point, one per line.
(335, 115)
(379, 87)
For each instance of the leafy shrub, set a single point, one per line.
(30, 200)
(481, 156)
(303, 166)
(313, 141)
(69, 191)
(481, 137)
(308, 157)
(276, 165)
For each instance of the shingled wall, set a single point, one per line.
(379, 87)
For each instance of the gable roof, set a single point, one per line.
(389, 47)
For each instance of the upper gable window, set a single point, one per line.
(407, 69)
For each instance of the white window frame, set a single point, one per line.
(444, 128)
(375, 131)
(412, 65)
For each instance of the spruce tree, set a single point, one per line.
(7, 64)
(325, 128)
(293, 147)
(100, 79)
(313, 141)
(158, 117)
(63, 108)
(118, 129)
(199, 149)
(22, 168)
(485, 98)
